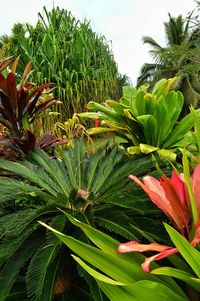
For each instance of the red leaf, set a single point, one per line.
(195, 181)
(146, 264)
(196, 238)
(12, 90)
(134, 246)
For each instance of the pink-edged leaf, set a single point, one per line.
(195, 181)
(181, 188)
(167, 252)
(134, 246)
(157, 194)
(196, 238)
(181, 212)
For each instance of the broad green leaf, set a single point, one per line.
(128, 113)
(149, 125)
(134, 150)
(91, 115)
(141, 291)
(174, 103)
(95, 274)
(129, 92)
(147, 149)
(111, 264)
(118, 107)
(162, 87)
(167, 154)
(99, 130)
(179, 274)
(109, 245)
(190, 254)
(99, 107)
(180, 130)
(197, 127)
(163, 121)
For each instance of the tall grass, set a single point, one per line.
(67, 52)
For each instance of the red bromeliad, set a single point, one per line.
(172, 197)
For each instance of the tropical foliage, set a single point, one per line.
(178, 198)
(180, 57)
(93, 187)
(68, 53)
(92, 200)
(120, 276)
(20, 105)
(148, 122)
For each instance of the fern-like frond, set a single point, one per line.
(27, 173)
(52, 167)
(41, 261)
(15, 190)
(12, 267)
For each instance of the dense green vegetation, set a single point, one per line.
(71, 210)
(180, 57)
(69, 54)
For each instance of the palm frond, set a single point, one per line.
(149, 40)
(12, 267)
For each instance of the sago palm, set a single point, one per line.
(95, 188)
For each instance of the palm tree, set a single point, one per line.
(180, 57)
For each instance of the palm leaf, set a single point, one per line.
(11, 269)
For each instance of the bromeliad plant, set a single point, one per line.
(148, 122)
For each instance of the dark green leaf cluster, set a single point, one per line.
(92, 186)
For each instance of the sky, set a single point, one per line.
(122, 22)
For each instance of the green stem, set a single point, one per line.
(189, 187)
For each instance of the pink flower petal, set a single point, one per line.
(146, 264)
(195, 181)
(134, 246)
(196, 238)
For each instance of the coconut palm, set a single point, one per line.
(180, 57)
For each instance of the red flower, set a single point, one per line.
(171, 196)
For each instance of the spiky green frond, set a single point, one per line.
(150, 41)
(94, 186)
(38, 270)
(11, 269)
